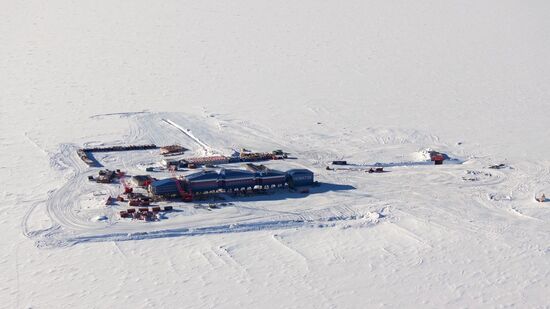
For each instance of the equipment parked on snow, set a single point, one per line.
(376, 170)
(83, 153)
(279, 154)
(105, 176)
(339, 162)
(437, 158)
(172, 150)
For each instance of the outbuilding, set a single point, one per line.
(438, 159)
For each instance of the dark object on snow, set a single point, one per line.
(541, 199)
(498, 166)
(168, 208)
(279, 154)
(437, 158)
(105, 176)
(83, 152)
(172, 150)
(376, 170)
(339, 162)
(91, 178)
(120, 148)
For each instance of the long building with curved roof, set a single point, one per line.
(231, 179)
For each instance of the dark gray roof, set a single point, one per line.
(203, 175)
(299, 171)
(229, 174)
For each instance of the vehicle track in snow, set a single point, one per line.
(207, 149)
(70, 228)
(414, 192)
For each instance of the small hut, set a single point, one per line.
(437, 158)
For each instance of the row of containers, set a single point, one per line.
(231, 179)
(83, 153)
(215, 160)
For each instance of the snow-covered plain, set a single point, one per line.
(365, 81)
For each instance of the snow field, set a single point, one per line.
(367, 81)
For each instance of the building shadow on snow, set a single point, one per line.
(91, 156)
(282, 193)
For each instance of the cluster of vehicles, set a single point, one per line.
(202, 182)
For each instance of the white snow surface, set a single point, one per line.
(364, 81)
